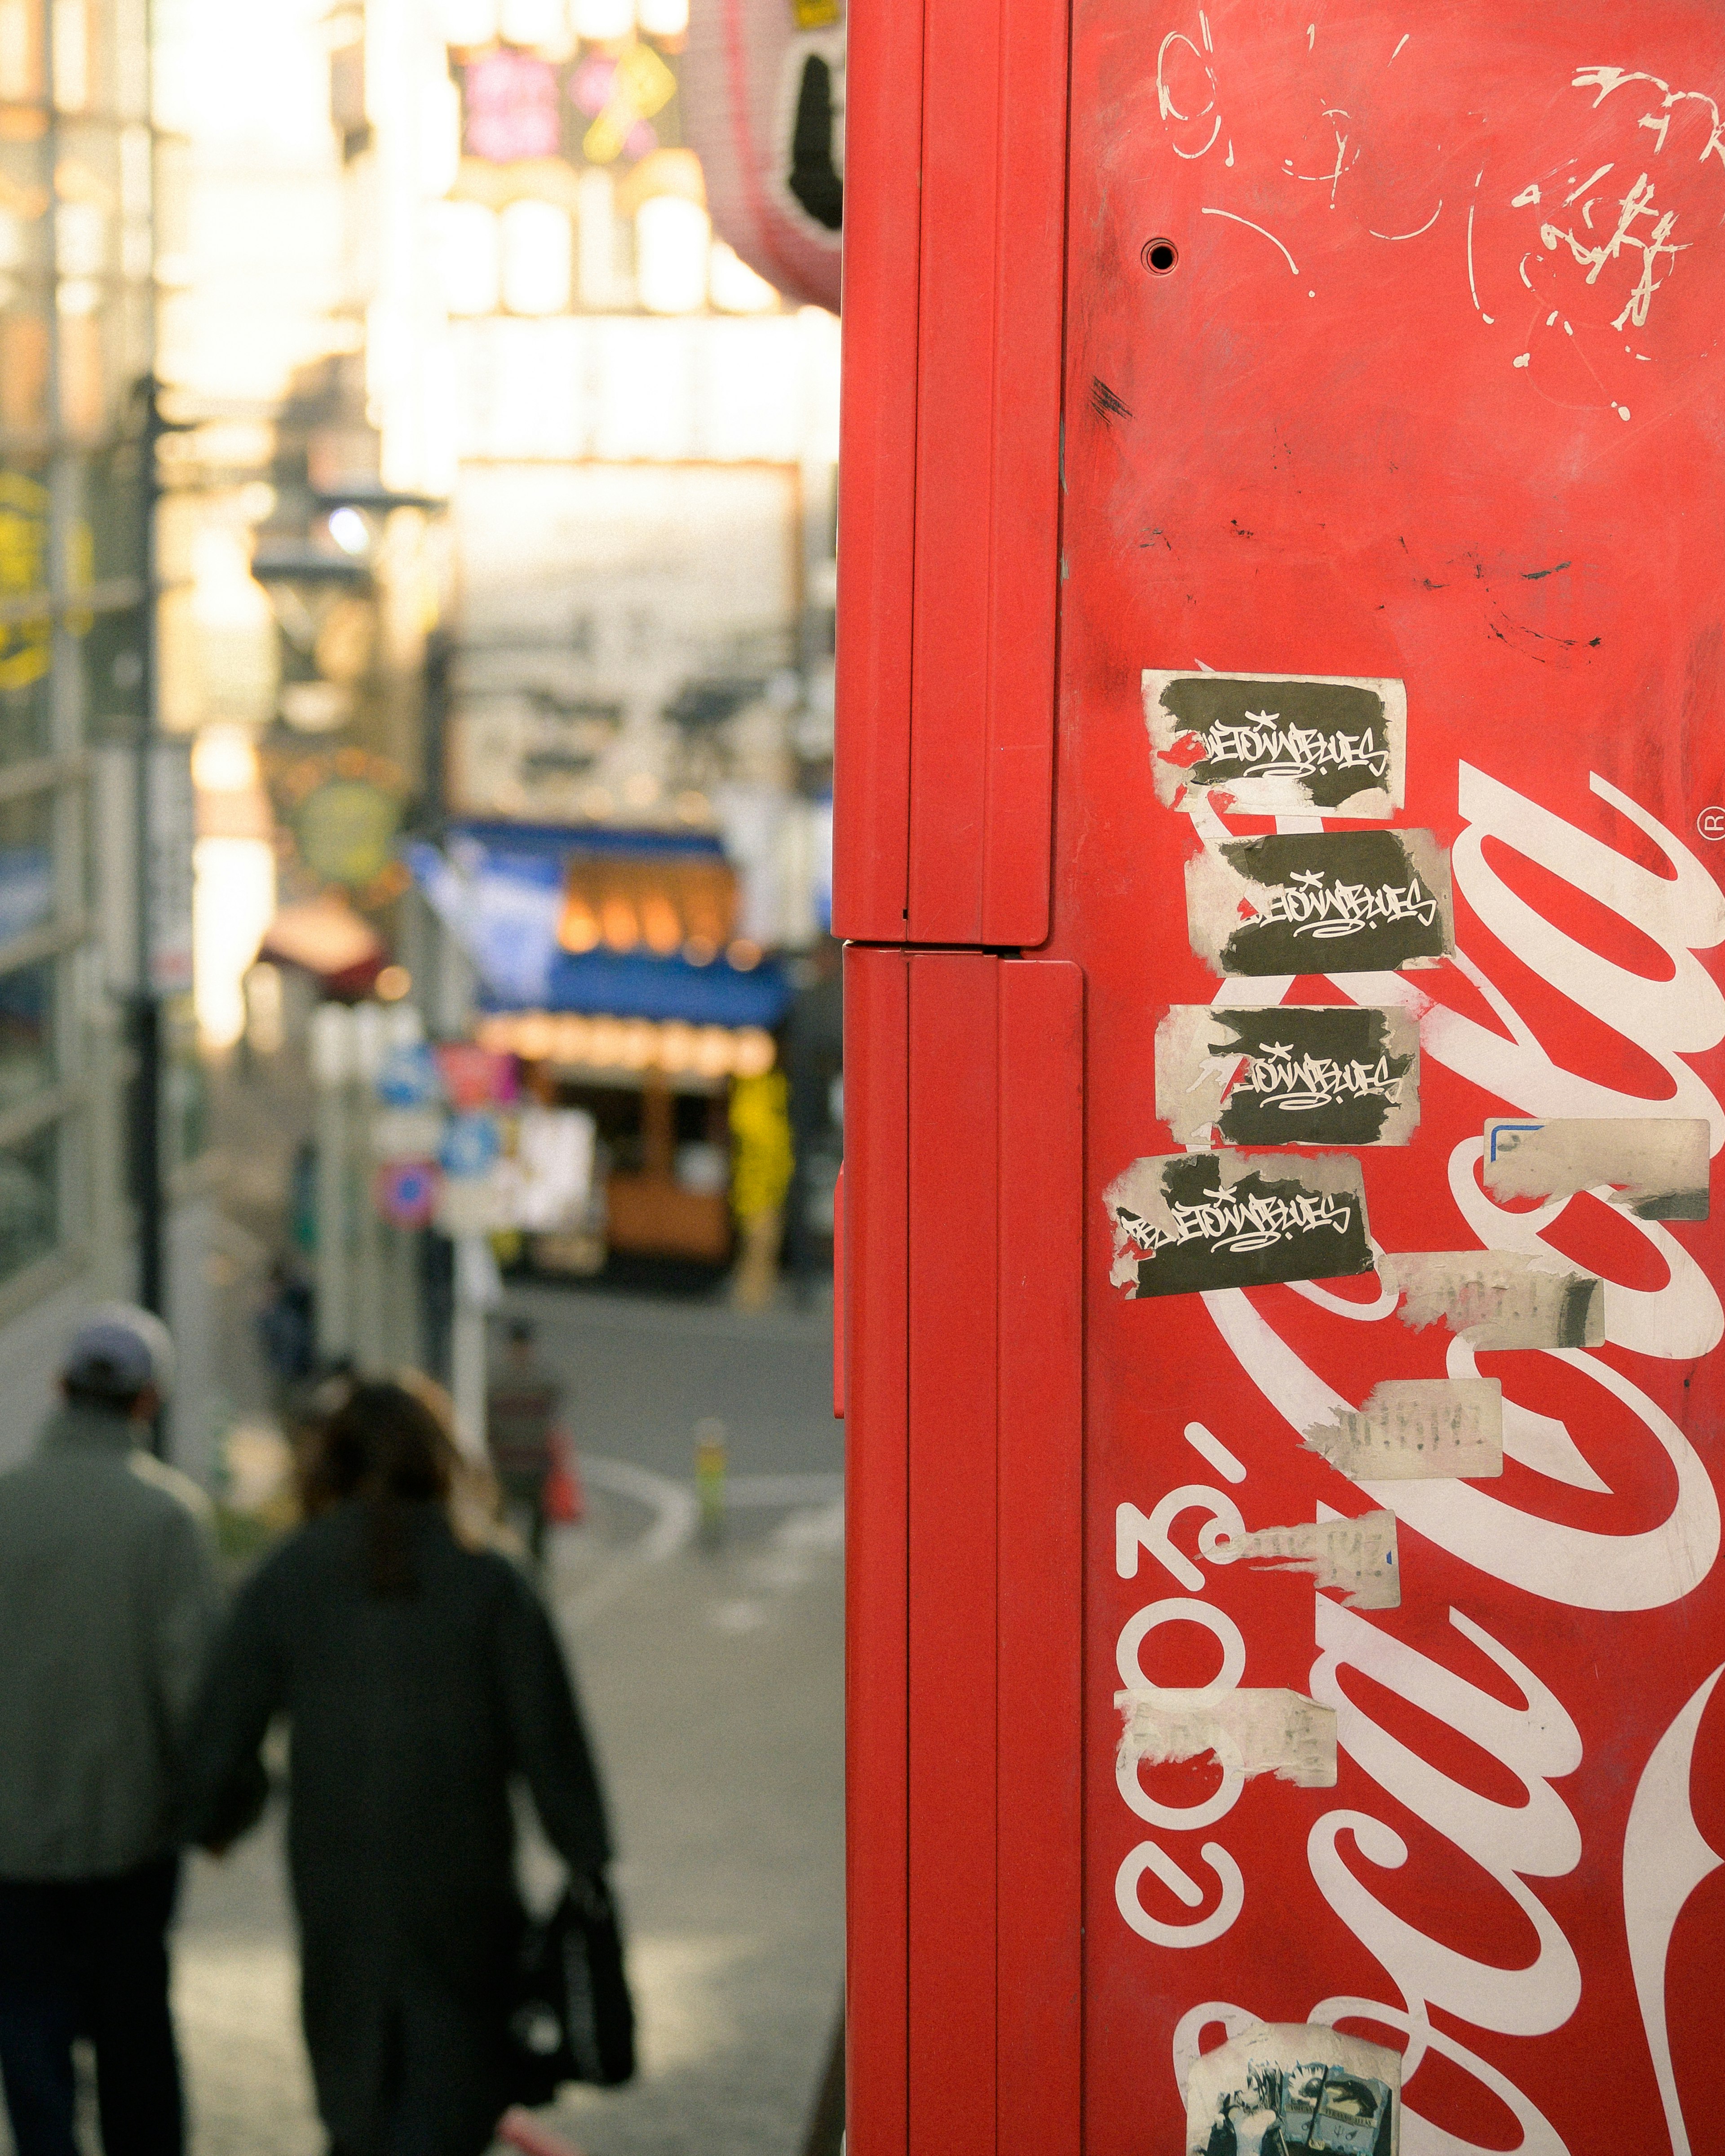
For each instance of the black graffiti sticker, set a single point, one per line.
(1184, 1222)
(1279, 744)
(1320, 902)
(1290, 1074)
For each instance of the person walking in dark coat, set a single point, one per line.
(108, 1601)
(420, 1679)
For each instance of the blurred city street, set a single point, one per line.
(712, 1677)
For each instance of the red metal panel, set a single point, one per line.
(883, 123)
(1041, 1510)
(954, 1112)
(987, 451)
(876, 1058)
(1431, 391)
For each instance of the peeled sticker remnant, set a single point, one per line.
(1654, 1166)
(1251, 1729)
(1188, 1221)
(1291, 2086)
(1417, 1429)
(1320, 902)
(1288, 1074)
(1357, 1555)
(1497, 1300)
(1279, 744)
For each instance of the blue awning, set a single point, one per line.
(499, 891)
(610, 984)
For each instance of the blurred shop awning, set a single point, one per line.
(326, 938)
(600, 921)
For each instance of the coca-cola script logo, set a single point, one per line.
(1664, 1856)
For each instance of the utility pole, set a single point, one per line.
(146, 1135)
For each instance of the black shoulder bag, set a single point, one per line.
(573, 2019)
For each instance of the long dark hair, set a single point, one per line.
(379, 1442)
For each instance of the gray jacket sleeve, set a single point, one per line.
(185, 1608)
(546, 1735)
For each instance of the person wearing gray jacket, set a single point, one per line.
(108, 1604)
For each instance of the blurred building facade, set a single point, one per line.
(78, 178)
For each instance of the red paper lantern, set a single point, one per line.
(763, 106)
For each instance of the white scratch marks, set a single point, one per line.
(1529, 194)
(1606, 79)
(1621, 410)
(1311, 35)
(1294, 266)
(1521, 359)
(1417, 229)
(1215, 130)
(1403, 38)
(1204, 24)
(1576, 191)
(1472, 282)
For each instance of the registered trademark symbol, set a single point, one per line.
(1711, 824)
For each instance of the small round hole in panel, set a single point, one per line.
(1159, 256)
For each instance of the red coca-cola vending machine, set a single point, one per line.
(1281, 812)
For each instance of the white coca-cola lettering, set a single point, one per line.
(1680, 1320)
(1420, 2136)
(1539, 1838)
(1668, 1020)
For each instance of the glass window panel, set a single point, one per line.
(80, 54)
(25, 639)
(22, 75)
(28, 1063)
(24, 360)
(108, 505)
(29, 1199)
(26, 865)
(26, 716)
(24, 225)
(113, 654)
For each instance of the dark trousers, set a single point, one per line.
(89, 1957)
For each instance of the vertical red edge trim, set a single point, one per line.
(877, 460)
(953, 1584)
(1025, 538)
(987, 471)
(838, 1295)
(1041, 1490)
(875, 1317)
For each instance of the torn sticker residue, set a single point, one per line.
(1290, 1074)
(1279, 744)
(1497, 1300)
(1320, 902)
(1357, 1555)
(1654, 1166)
(1186, 1222)
(1417, 1429)
(1251, 1729)
(1293, 2085)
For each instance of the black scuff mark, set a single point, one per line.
(1104, 402)
(1240, 529)
(1532, 576)
(1152, 534)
